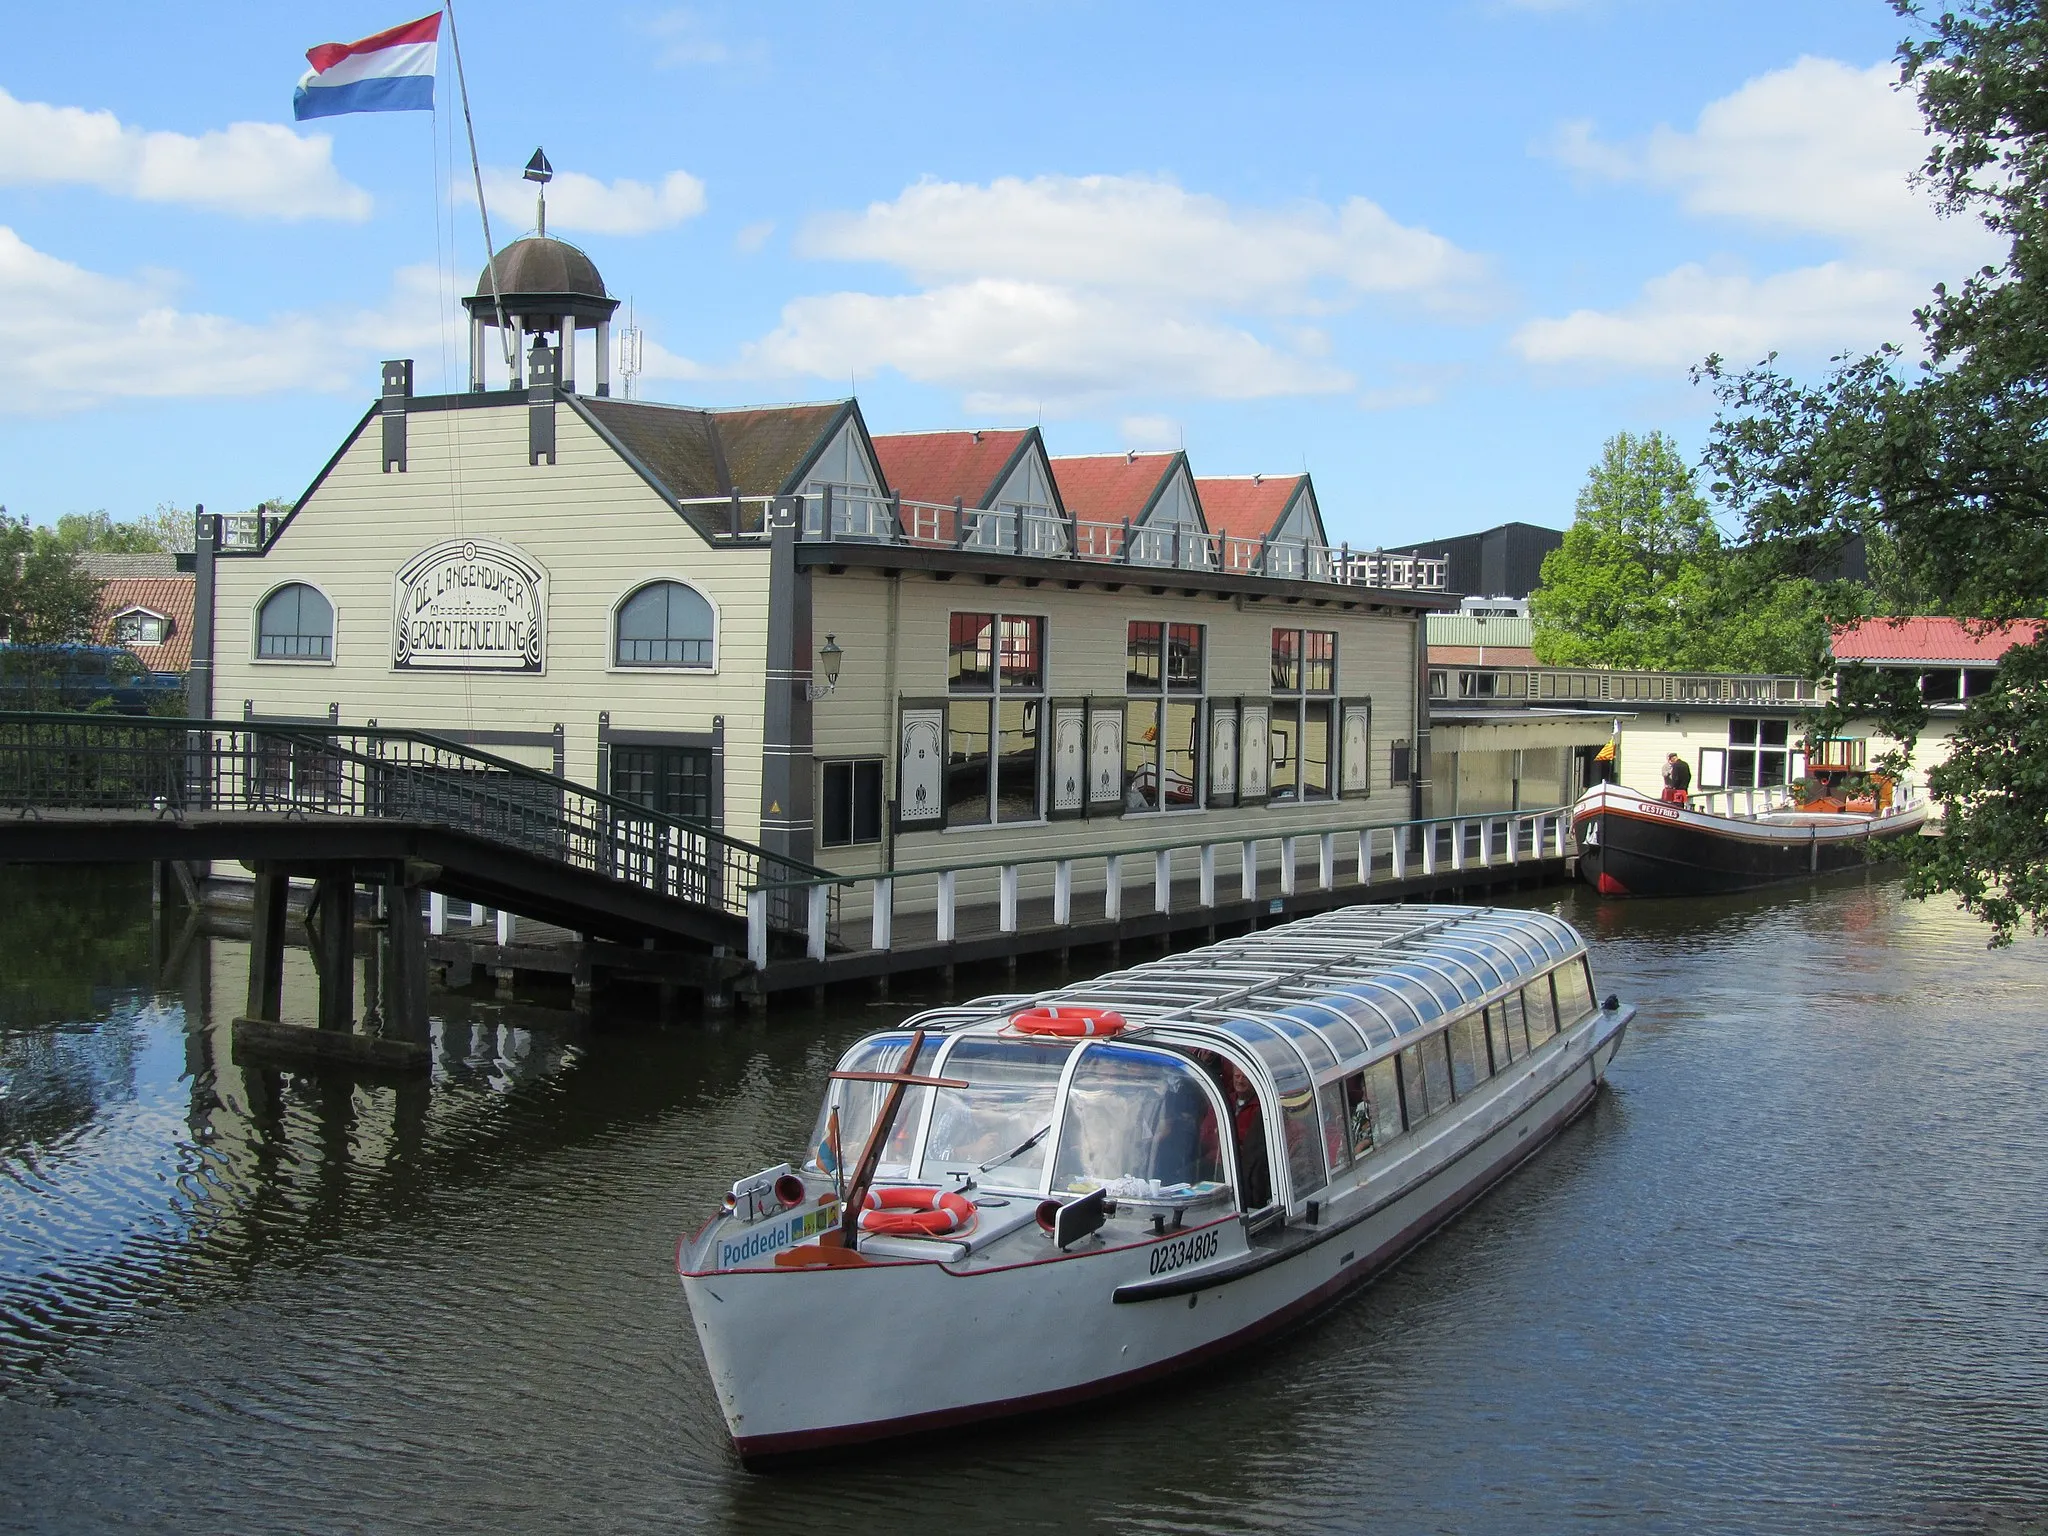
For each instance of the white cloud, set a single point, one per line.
(1063, 292)
(583, 203)
(752, 237)
(1819, 150)
(682, 39)
(257, 170)
(75, 338)
(1010, 345)
(1147, 235)
(1683, 315)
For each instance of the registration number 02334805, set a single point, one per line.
(1195, 1248)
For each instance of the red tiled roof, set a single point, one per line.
(1247, 506)
(170, 596)
(1933, 642)
(1109, 487)
(939, 466)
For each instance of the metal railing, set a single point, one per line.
(1389, 851)
(1776, 797)
(1569, 685)
(839, 516)
(83, 763)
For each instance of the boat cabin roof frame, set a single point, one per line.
(1336, 993)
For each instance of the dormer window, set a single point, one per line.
(139, 626)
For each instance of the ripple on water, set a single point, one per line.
(1787, 1274)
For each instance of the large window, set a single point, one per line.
(295, 624)
(850, 802)
(1757, 753)
(995, 676)
(665, 624)
(1162, 716)
(1304, 683)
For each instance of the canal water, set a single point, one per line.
(1790, 1274)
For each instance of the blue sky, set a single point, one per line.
(1434, 253)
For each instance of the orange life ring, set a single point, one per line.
(916, 1211)
(1068, 1021)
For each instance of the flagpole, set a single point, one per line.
(476, 170)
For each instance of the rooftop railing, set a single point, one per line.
(1573, 685)
(838, 516)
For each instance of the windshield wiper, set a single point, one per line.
(1019, 1150)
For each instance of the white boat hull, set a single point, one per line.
(808, 1359)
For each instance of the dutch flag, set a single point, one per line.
(390, 72)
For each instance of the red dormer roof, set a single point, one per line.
(1109, 487)
(1247, 506)
(940, 466)
(1931, 642)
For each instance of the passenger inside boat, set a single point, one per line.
(1247, 1129)
(1138, 1125)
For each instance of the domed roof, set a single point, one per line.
(543, 264)
(543, 275)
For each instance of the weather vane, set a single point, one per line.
(539, 171)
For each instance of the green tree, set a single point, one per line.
(164, 531)
(46, 598)
(1643, 579)
(1940, 463)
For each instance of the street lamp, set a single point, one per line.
(828, 662)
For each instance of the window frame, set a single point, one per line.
(853, 766)
(1163, 694)
(994, 697)
(256, 656)
(140, 615)
(1295, 701)
(651, 579)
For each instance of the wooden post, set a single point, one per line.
(336, 895)
(1063, 893)
(1458, 843)
(1326, 872)
(882, 920)
(1365, 855)
(757, 930)
(437, 914)
(1006, 914)
(814, 928)
(1248, 870)
(1399, 852)
(507, 928)
(1428, 830)
(1208, 874)
(1113, 889)
(1162, 880)
(405, 977)
(948, 888)
(1287, 865)
(266, 946)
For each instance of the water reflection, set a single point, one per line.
(1788, 1274)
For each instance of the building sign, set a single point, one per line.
(919, 768)
(470, 605)
(1068, 723)
(1354, 764)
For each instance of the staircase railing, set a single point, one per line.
(85, 762)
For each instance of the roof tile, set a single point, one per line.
(1934, 642)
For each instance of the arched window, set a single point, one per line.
(295, 624)
(665, 624)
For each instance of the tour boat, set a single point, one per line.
(1632, 845)
(1023, 1202)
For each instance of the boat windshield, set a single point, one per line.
(1138, 1125)
(860, 1102)
(1014, 1086)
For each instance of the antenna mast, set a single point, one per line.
(629, 352)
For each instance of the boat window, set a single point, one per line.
(1468, 1053)
(859, 1102)
(1506, 1032)
(1542, 1015)
(1321, 1058)
(1247, 1129)
(1574, 992)
(1383, 1099)
(1304, 1152)
(1336, 1107)
(1015, 1084)
(1371, 1016)
(1137, 1124)
(1426, 1078)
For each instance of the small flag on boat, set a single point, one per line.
(392, 71)
(1605, 754)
